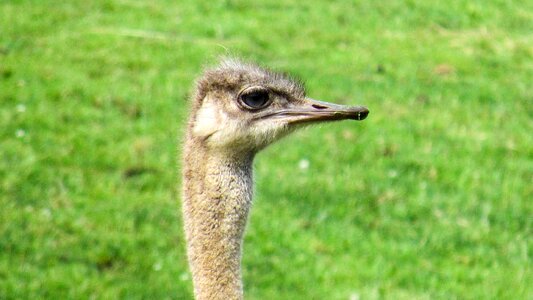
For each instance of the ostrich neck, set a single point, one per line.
(217, 196)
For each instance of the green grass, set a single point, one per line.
(429, 198)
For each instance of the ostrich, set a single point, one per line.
(238, 110)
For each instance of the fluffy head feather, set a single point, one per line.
(233, 74)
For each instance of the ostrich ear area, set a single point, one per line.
(208, 119)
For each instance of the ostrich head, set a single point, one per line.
(242, 108)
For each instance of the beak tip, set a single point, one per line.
(362, 113)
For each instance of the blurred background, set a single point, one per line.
(429, 198)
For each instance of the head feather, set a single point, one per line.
(232, 75)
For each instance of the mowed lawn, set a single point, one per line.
(431, 197)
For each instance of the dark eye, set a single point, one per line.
(255, 99)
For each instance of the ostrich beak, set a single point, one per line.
(312, 111)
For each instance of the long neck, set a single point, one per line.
(217, 193)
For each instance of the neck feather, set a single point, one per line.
(217, 194)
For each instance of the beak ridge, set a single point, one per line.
(310, 110)
(337, 111)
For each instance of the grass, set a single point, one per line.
(429, 198)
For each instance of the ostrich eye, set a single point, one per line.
(255, 99)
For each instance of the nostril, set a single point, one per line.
(319, 106)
